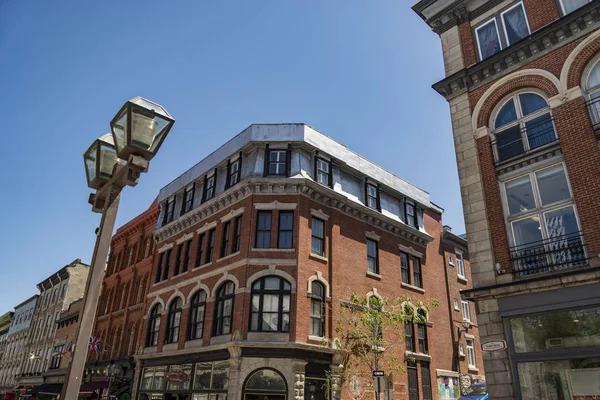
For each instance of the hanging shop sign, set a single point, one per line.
(493, 346)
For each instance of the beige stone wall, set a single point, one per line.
(453, 58)
(77, 279)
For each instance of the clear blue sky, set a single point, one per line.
(358, 71)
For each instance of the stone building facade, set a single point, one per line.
(57, 292)
(15, 354)
(120, 309)
(258, 247)
(4, 370)
(522, 81)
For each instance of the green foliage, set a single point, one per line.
(5, 320)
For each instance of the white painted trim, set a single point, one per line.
(269, 272)
(272, 249)
(232, 214)
(184, 238)
(506, 79)
(226, 277)
(175, 294)
(443, 372)
(373, 275)
(199, 286)
(318, 257)
(373, 236)
(374, 293)
(469, 336)
(157, 300)
(319, 214)
(411, 287)
(319, 278)
(165, 248)
(410, 251)
(482, 132)
(568, 95)
(237, 253)
(275, 205)
(564, 73)
(207, 226)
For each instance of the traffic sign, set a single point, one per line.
(378, 373)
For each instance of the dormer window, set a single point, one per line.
(372, 196)
(277, 162)
(233, 172)
(188, 200)
(169, 211)
(502, 30)
(210, 183)
(323, 171)
(410, 211)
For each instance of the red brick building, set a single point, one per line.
(257, 247)
(522, 80)
(120, 310)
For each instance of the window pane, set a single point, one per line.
(519, 195)
(515, 24)
(565, 379)
(202, 377)
(552, 184)
(509, 143)
(270, 303)
(557, 330)
(220, 377)
(531, 102)
(561, 222)
(489, 42)
(540, 131)
(272, 283)
(371, 248)
(572, 5)
(527, 231)
(317, 227)
(269, 322)
(507, 114)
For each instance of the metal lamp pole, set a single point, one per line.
(112, 162)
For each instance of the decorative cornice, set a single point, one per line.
(232, 214)
(410, 251)
(298, 186)
(539, 43)
(373, 236)
(275, 205)
(165, 248)
(207, 227)
(185, 238)
(319, 214)
(549, 152)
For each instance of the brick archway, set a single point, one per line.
(579, 59)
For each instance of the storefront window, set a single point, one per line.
(560, 380)
(556, 330)
(265, 384)
(179, 376)
(211, 376)
(159, 378)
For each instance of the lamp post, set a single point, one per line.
(112, 162)
(114, 370)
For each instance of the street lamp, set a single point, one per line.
(113, 161)
(114, 371)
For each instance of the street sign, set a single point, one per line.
(379, 384)
(492, 346)
(378, 373)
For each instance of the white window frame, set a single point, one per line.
(461, 349)
(492, 20)
(471, 353)
(466, 310)
(451, 259)
(504, 24)
(456, 306)
(460, 264)
(564, 12)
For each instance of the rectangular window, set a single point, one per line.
(200, 250)
(471, 353)
(404, 268)
(277, 162)
(568, 6)
(488, 39)
(285, 238)
(225, 239)
(466, 311)
(161, 257)
(178, 259)
(460, 266)
(169, 211)
(188, 200)
(409, 336)
(234, 172)
(237, 237)
(422, 337)
(56, 357)
(426, 381)
(211, 245)
(372, 193)
(323, 171)
(451, 259)
(515, 23)
(372, 256)
(263, 230)
(167, 265)
(413, 381)
(410, 212)
(418, 279)
(186, 257)
(317, 244)
(456, 306)
(209, 186)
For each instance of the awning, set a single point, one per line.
(48, 389)
(88, 388)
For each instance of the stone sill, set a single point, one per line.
(269, 249)
(411, 287)
(373, 275)
(462, 279)
(417, 356)
(473, 369)
(202, 266)
(318, 257)
(228, 256)
(316, 339)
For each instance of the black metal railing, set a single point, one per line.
(593, 106)
(550, 255)
(509, 145)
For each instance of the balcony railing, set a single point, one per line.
(552, 255)
(509, 144)
(593, 106)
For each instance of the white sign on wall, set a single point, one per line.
(492, 346)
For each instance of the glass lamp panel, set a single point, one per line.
(150, 105)
(527, 231)
(552, 184)
(90, 163)
(108, 159)
(119, 130)
(519, 195)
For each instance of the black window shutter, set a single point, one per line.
(366, 192)
(240, 167)
(378, 198)
(228, 174)
(204, 189)
(331, 173)
(183, 202)
(288, 159)
(316, 170)
(266, 167)
(215, 183)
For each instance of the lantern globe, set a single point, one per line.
(100, 160)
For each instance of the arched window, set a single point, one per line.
(197, 311)
(140, 292)
(153, 326)
(265, 383)
(123, 301)
(107, 304)
(317, 309)
(592, 92)
(270, 305)
(521, 124)
(132, 336)
(224, 309)
(174, 320)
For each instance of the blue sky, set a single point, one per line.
(358, 71)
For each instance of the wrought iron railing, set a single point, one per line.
(593, 106)
(551, 255)
(538, 134)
